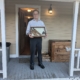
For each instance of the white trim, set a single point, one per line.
(61, 0)
(75, 78)
(78, 59)
(3, 32)
(76, 69)
(0, 4)
(74, 31)
(13, 55)
(77, 49)
(16, 21)
(1, 71)
(0, 49)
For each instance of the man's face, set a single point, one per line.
(35, 15)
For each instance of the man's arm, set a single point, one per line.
(44, 26)
(28, 29)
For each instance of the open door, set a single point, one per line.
(24, 40)
(22, 30)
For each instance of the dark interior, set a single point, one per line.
(24, 40)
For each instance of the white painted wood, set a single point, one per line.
(16, 21)
(74, 30)
(3, 31)
(0, 49)
(13, 55)
(62, 0)
(78, 59)
(77, 49)
(76, 69)
(0, 5)
(1, 71)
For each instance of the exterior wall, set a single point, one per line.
(59, 25)
(11, 31)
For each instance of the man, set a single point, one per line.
(35, 41)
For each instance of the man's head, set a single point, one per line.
(36, 14)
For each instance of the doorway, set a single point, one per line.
(18, 7)
(24, 16)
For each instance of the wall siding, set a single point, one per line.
(59, 26)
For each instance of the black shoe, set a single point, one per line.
(41, 65)
(32, 67)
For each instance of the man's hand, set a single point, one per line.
(30, 35)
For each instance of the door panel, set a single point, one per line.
(21, 31)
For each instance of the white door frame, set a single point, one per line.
(17, 32)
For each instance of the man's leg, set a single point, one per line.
(39, 49)
(32, 52)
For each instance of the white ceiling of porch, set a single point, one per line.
(61, 6)
(62, 0)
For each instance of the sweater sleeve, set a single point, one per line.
(28, 28)
(44, 26)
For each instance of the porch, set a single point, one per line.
(20, 70)
(59, 25)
